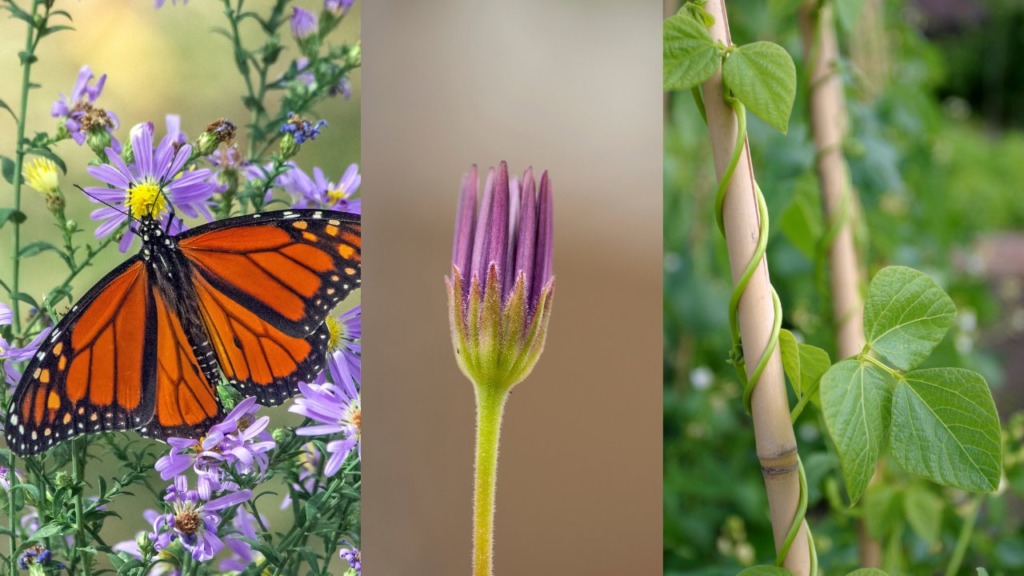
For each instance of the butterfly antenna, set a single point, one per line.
(105, 203)
(118, 209)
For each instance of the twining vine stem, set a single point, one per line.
(742, 217)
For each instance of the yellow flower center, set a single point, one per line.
(41, 174)
(336, 330)
(145, 199)
(337, 194)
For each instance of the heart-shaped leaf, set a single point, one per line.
(947, 428)
(856, 400)
(690, 54)
(906, 316)
(762, 75)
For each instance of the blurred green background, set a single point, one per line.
(936, 152)
(158, 62)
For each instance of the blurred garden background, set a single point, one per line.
(935, 99)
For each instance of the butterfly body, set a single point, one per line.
(243, 299)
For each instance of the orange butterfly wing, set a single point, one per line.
(264, 290)
(139, 352)
(186, 403)
(88, 375)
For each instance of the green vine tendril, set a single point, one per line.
(799, 518)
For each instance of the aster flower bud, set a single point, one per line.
(501, 288)
(303, 23)
(218, 132)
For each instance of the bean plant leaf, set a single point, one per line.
(804, 365)
(690, 54)
(762, 75)
(947, 428)
(906, 316)
(868, 572)
(765, 570)
(923, 510)
(856, 400)
(883, 509)
(801, 220)
(848, 12)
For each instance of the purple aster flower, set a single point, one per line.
(338, 8)
(9, 354)
(336, 406)
(80, 117)
(301, 129)
(34, 555)
(304, 23)
(353, 557)
(5, 477)
(165, 563)
(242, 554)
(306, 75)
(174, 137)
(345, 342)
(148, 185)
(239, 441)
(318, 192)
(194, 522)
(500, 292)
(160, 3)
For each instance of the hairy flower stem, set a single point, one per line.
(79, 452)
(490, 405)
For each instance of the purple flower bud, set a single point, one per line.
(304, 23)
(338, 8)
(502, 283)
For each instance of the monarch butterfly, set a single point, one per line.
(142, 350)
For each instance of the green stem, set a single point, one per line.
(79, 451)
(490, 405)
(19, 154)
(964, 539)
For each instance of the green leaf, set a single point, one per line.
(868, 572)
(38, 248)
(804, 365)
(51, 529)
(8, 108)
(801, 220)
(690, 54)
(762, 75)
(50, 155)
(946, 428)
(856, 400)
(11, 215)
(765, 570)
(847, 13)
(7, 169)
(883, 510)
(906, 316)
(923, 510)
(25, 298)
(53, 29)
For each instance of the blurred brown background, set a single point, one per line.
(572, 87)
